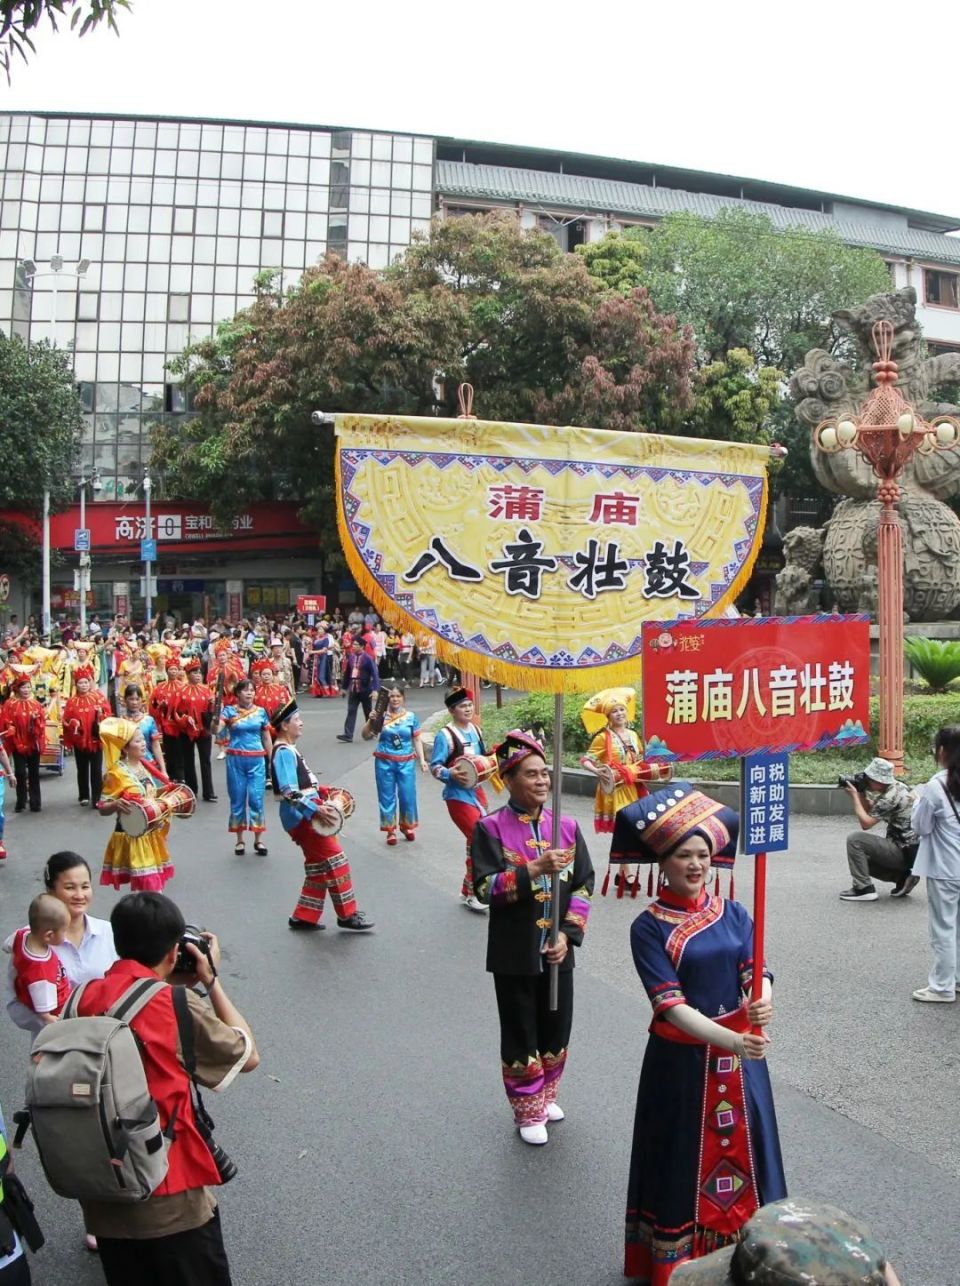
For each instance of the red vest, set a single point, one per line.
(189, 1159)
(81, 715)
(24, 723)
(193, 702)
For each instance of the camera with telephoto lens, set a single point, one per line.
(186, 960)
(859, 781)
(226, 1168)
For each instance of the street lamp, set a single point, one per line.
(887, 431)
(83, 579)
(33, 271)
(148, 565)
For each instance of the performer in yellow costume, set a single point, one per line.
(141, 861)
(615, 756)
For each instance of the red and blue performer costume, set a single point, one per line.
(533, 1040)
(245, 735)
(325, 866)
(706, 1151)
(465, 805)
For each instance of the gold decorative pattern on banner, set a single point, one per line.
(534, 554)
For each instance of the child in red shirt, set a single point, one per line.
(40, 981)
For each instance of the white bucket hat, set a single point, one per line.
(880, 770)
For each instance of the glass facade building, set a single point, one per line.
(175, 218)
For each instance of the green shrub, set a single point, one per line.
(937, 661)
(922, 716)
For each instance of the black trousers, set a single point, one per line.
(188, 763)
(89, 774)
(172, 757)
(17, 1273)
(194, 1258)
(26, 769)
(527, 1027)
(354, 701)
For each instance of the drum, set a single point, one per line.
(478, 768)
(148, 815)
(145, 817)
(342, 803)
(180, 801)
(603, 772)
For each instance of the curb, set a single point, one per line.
(816, 801)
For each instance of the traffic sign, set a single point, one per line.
(81, 540)
(148, 551)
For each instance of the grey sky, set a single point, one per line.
(824, 95)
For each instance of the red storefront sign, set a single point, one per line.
(716, 689)
(179, 528)
(311, 604)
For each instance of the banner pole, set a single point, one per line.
(555, 842)
(759, 929)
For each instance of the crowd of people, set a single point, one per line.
(706, 1161)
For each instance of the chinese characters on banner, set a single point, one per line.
(764, 804)
(176, 526)
(534, 554)
(720, 688)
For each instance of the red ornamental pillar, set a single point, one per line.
(890, 621)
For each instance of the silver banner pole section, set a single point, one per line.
(555, 841)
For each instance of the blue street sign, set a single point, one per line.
(81, 540)
(148, 551)
(764, 803)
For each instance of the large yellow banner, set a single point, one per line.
(534, 553)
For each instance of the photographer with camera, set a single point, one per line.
(878, 797)
(173, 1238)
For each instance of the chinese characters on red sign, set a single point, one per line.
(720, 688)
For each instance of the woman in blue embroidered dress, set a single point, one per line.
(706, 1153)
(398, 754)
(245, 732)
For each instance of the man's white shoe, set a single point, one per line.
(534, 1133)
(555, 1112)
(929, 996)
(475, 904)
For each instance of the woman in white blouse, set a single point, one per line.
(936, 819)
(87, 951)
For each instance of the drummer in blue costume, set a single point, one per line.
(706, 1152)
(245, 732)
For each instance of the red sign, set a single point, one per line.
(716, 689)
(178, 528)
(311, 604)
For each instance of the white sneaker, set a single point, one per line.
(555, 1112)
(475, 904)
(931, 997)
(536, 1134)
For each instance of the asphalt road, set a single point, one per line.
(374, 1142)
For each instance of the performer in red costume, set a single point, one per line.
(82, 716)
(194, 715)
(23, 723)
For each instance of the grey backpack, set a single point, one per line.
(93, 1119)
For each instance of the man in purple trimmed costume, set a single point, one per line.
(512, 868)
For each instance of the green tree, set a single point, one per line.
(20, 18)
(480, 301)
(736, 398)
(40, 421)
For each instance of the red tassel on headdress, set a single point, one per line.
(650, 883)
(606, 883)
(716, 886)
(621, 881)
(730, 890)
(636, 884)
